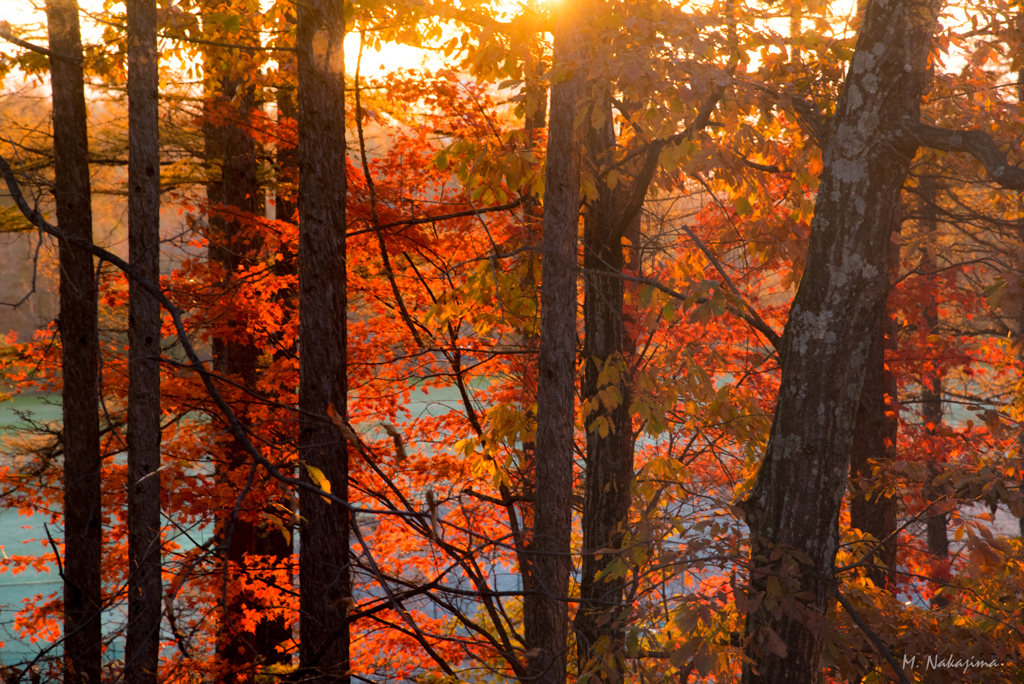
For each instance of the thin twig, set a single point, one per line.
(56, 552)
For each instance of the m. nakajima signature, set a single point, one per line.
(950, 662)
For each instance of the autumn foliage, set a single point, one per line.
(444, 207)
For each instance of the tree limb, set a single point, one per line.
(646, 175)
(435, 219)
(6, 34)
(752, 316)
(975, 143)
(880, 646)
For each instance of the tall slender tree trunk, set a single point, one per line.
(144, 571)
(932, 385)
(546, 607)
(83, 518)
(1020, 363)
(1020, 314)
(324, 574)
(933, 382)
(230, 145)
(600, 619)
(271, 633)
(872, 510)
(796, 498)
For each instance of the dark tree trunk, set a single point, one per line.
(144, 580)
(1020, 314)
(871, 509)
(1020, 356)
(324, 574)
(273, 542)
(231, 147)
(796, 499)
(83, 517)
(287, 164)
(932, 383)
(599, 622)
(546, 609)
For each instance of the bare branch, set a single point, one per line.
(880, 646)
(438, 217)
(6, 34)
(976, 143)
(646, 175)
(234, 46)
(752, 316)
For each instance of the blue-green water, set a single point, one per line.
(24, 536)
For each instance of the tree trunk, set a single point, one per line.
(83, 516)
(871, 509)
(545, 608)
(144, 579)
(230, 145)
(600, 619)
(270, 633)
(142, 648)
(1020, 313)
(324, 574)
(932, 383)
(796, 499)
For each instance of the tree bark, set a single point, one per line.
(871, 509)
(795, 502)
(230, 146)
(545, 607)
(932, 383)
(1020, 314)
(270, 633)
(83, 515)
(600, 622)
(324, 556)
(144, 571)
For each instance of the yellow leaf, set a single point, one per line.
(318, 478)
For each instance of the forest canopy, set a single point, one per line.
(608, 341)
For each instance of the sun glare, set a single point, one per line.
(381, 58)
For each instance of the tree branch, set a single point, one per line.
(646, 175)
(880, 646)
(752, 316)
(235, 46)
(6, 34)
(435, 219)
(976, 143)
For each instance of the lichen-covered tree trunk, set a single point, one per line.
(142, 648)
(599, 621)
(795, 502)
(546, 607)
(83, 645)
(324, 556)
